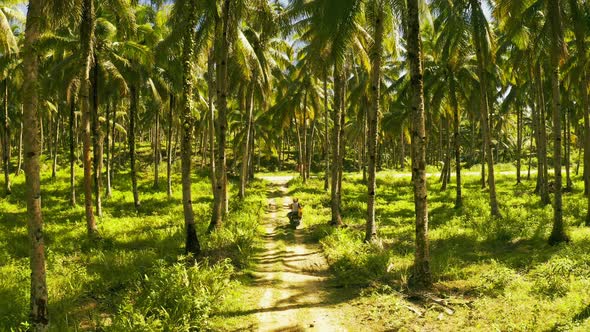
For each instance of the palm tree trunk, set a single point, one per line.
(456, 140)
(192, 242)
(72, 133)
(487, 139)
(447, 161)
(567, 150)
(157, 154)
(326, 133)
(558, 233)
(299, 147)
(109, 138)
(304, 145)
(336, 219)
(246, 153)
(96, 141)
(310, 146)
(6, 141)
(169, 147)
(222, 57)
(32, 150)
(87, 40)
(211, 88)
(542, 147)
(373, 125)
(55, 147)
(518, 143)
(421, 276)
(20, 147)
(131, 142)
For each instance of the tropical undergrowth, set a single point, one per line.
(489, 273)
(136, 277)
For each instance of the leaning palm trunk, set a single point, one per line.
(38, 305)
(192, 242)
(222, 57)
(558, 233)
(87, 39)
(421, 276)
(373, 124)
(6, 141)
(246, 153)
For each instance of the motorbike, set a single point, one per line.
(295, 220)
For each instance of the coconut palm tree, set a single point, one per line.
(421, 276)
(38, 315)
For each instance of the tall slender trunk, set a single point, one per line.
(96, 141)
(55, 147)
(421, 276)
(336, 219)
(567, 151)
(109, 138)
(558, 232)
(310, 147)
(580, 29)
(304, 143)
(373, 124)
(192, 242)
(131, 142)
(87, 39)
(221, 59)
(518, 143)
(6, 141)
(72, 133)
(246, 153)
(299, 146)
(326, 133)
(488, 144)
(157, 153)
(447, 161)
(20, 146)
(542, 147)
(456, 140)
(169, 147)
(32, 150)
(211, 89)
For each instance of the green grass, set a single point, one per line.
(121, 281)
(494, 274)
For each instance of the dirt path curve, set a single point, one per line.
(292, 277)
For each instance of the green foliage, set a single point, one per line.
(552, 279)
(494, 273)
(174, 298)
(132, 279)
(354, 263)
